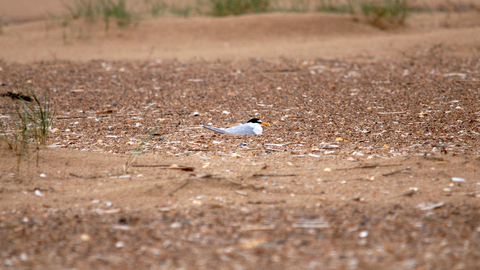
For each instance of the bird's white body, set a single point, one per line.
(244, 129)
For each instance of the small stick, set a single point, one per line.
(365, 166)
(231, 182)
(408, 193)
(288, 143)
(70, 117)
(392, 112)
(253, 228)
(162, 166)
(240, 185)
(369, 166)
(73, 117)
(273, 175)
(469, 81)
(105, 112)
(433, 158)
(181, 186)
(357, 179)
(251, 187)
(241, 193)
(397, 171)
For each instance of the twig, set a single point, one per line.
(163, 166)
(267, 202)
(312, 224)
(469, 81)
(289, 143)
(407, 194)
(433, 158)
(76, 175)
(253, 228)
(240, 185)
(357, 179)
(213, 176)
(208, 175)
(392, 112)
(231, 182)
(369, 166)
(273, 175)
(285, 70)
(105, 112)
(73, 117)
(252, 187)
(241, 193)
(397, 171)
(181, 186)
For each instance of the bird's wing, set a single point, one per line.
(245, 129)
(257, 129)
(218, 130)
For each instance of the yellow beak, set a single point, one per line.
(266, 124)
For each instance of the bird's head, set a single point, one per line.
(258, 121)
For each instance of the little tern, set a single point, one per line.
(253, 126)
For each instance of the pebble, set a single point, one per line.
(458, 180)
(85, 237)
(23, 256)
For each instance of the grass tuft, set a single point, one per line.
(29, 119)
(88, 9)
(329, 6)
(105, 9)
(238, 7)
(385, 14)
(300, 6)
(181, 10)
(156, 8)
(117, 10)
(141, 148)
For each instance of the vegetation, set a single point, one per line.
(238, 7)
(181, 10)
(383, 14)
(106, 9)
(28, 120)
(386, 13)
(156, 8)
(300, 6)
(141, 149)
(332, 6)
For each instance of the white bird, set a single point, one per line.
(253, 126)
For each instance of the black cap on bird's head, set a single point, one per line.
(255, 120)
(258, 121)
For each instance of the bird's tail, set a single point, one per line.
(218, 130)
